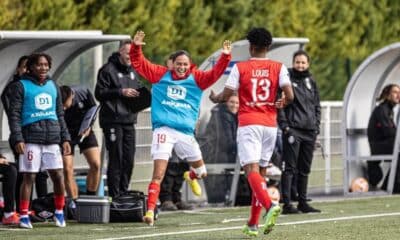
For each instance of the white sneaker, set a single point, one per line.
(25, 222)
(59, 219)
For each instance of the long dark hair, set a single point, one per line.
(386, 92)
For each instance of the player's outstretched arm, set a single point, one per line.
(205, 79)
(148, 70)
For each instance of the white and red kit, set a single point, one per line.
(257, 81)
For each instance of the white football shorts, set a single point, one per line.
(40, 157)
(165, 139)
(256, 144)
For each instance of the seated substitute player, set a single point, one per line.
(257, 81)
(175, 103)
(38, 130)
(77, 101)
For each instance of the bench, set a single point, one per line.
(393, 158)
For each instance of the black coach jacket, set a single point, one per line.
(304, 113)
(111, 79)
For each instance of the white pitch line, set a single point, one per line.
(240, 227)
(11, 229)
(234, 220)
(340, 218)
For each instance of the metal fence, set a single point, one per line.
(327, 168)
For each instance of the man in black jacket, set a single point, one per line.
(299, 122)
(115, 90)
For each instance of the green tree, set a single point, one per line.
(342, 33)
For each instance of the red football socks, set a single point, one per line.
(23, 207)
(259, 187)
(153, 192)
(255, 211)
(59, 202)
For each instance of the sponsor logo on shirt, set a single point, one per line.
(43, 101)
(176, 104)
(176, 92)
(42, 114)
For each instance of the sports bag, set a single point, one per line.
(43, 208)
(129, 207)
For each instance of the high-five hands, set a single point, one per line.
(227, 47)
(138, 38)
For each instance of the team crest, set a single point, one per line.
(81, 105)
(308, 83)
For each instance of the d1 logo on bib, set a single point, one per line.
(176, 92)
(43, 101)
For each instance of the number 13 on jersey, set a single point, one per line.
(263, 84)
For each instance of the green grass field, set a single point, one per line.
(366, 218)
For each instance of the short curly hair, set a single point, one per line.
(33, 59)
(259, 38)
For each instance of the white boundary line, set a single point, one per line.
(240, 227)
(11, 229)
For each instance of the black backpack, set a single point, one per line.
(43, 208)
(129, 207)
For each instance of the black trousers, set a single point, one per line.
(375, 175)
(121, 146)
(171, 185)
(374, 170)
(298, 150)
(9, 180)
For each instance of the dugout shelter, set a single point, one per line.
(62, 46)
(375, 72)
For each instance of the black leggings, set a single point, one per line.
(9, 180)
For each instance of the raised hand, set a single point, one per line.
(213, 97)
(138, 38)
(227, 47)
